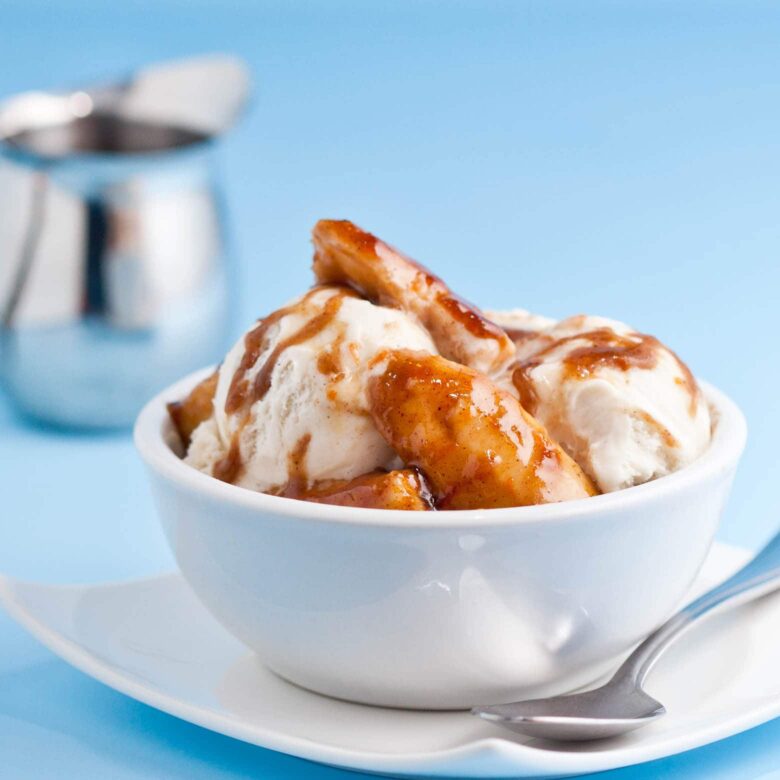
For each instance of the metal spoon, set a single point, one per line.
(621, 705)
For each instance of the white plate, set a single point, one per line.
(152, 640)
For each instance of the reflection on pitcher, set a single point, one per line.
(114, 277)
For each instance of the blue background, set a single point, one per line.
(614, 158)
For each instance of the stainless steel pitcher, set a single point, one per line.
(114, 277)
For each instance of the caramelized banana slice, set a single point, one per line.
(403, 489)
(345, 254)
(198, 406)
(476, 445)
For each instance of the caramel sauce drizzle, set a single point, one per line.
(254, 342)
(329, 362)
(605, 349)
(312, 328)
(468, 316)
(663, 432)
(242, 394)
(197, 407)
(519, 335)
(526, 390)
(297, 475)
(608, 349)
(229, 467)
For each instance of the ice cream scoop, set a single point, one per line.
(382, 387)
(622, 404)
(520, 324)
(290, 400)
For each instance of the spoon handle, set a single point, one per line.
(757, 578)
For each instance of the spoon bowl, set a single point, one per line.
(604, 712)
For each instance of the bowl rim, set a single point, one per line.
(153, 423)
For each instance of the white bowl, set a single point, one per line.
(439, 610)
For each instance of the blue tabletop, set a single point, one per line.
(614, 158)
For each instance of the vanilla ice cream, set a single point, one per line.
(619, 402)
(383, 375)
(520, 323)
(297, 381)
